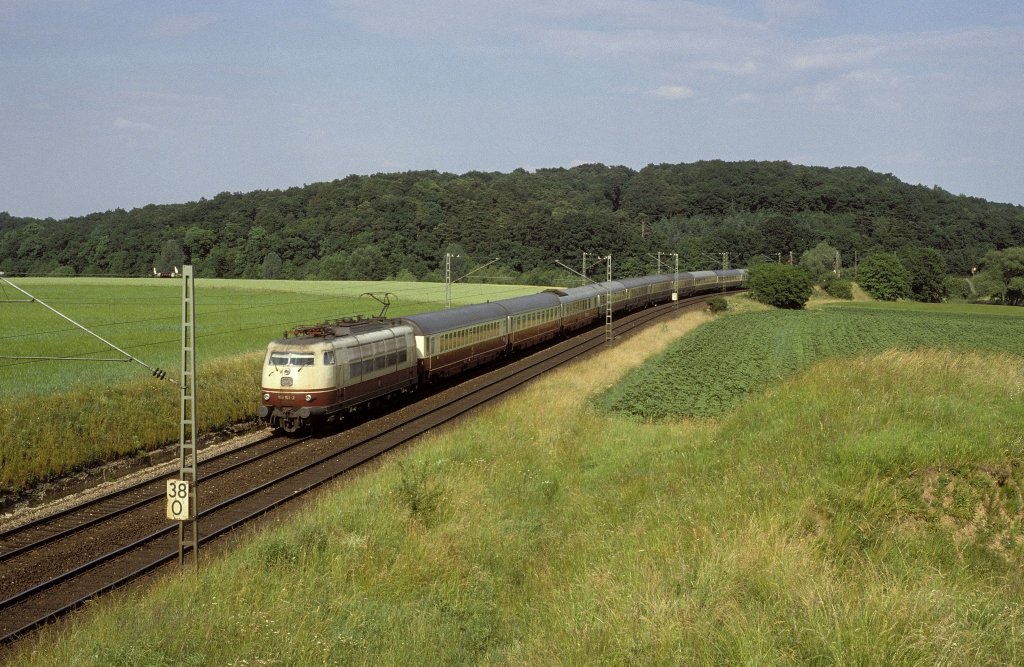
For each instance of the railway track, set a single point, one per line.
(53, 565)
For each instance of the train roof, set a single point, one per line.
(573, 294)
(523, 304)
(347, 326)
(445, 320)
(636, 282)
(610, 286)
(731, 272)
(703, 274)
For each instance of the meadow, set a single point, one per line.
(865, 510)
(143, 317)
(711, 370)
(60, 416)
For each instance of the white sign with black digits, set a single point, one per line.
(177, 500)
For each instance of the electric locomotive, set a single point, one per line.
(323, 371)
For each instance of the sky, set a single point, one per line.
(110, 104)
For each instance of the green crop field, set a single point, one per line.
(61, 415)
(712, 369)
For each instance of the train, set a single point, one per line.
(322, 372)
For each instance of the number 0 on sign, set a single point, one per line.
(177, 500)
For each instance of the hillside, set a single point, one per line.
(372, 227)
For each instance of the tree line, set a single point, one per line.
(401, 225)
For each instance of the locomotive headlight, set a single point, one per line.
(266, 397)
(309, 398)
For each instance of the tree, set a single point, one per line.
(927, 269)
(216, 265)
(334, 266)
(170, 256)
(781, 285)
(530, 219)
(1015, 291)
(1006, 268)
(198, 242)
(782, 234)
(957, 287)
(367, 263)
(271, 267)
(884, 277)
(820, 261)
(987, 284)
(250, 259)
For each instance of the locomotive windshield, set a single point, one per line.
(291, 358)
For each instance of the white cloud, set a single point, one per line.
(838, 53)
(674, 92)
(919, 48)
(879, 90)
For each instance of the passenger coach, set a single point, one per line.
(451, 341)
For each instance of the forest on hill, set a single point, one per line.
(402, 224)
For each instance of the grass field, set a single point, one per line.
(710, 371)
(143, 317)
(867, 510)
(59, 416)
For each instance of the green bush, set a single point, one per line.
(957, 287)
(839, 288)
(884, 277)
(718, 304)
(781, 285)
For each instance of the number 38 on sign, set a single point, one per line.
(177, 500)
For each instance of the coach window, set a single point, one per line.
(329, 358)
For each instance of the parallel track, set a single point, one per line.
(51, 566)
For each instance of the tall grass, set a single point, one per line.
(90, 425)
(863, 512)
